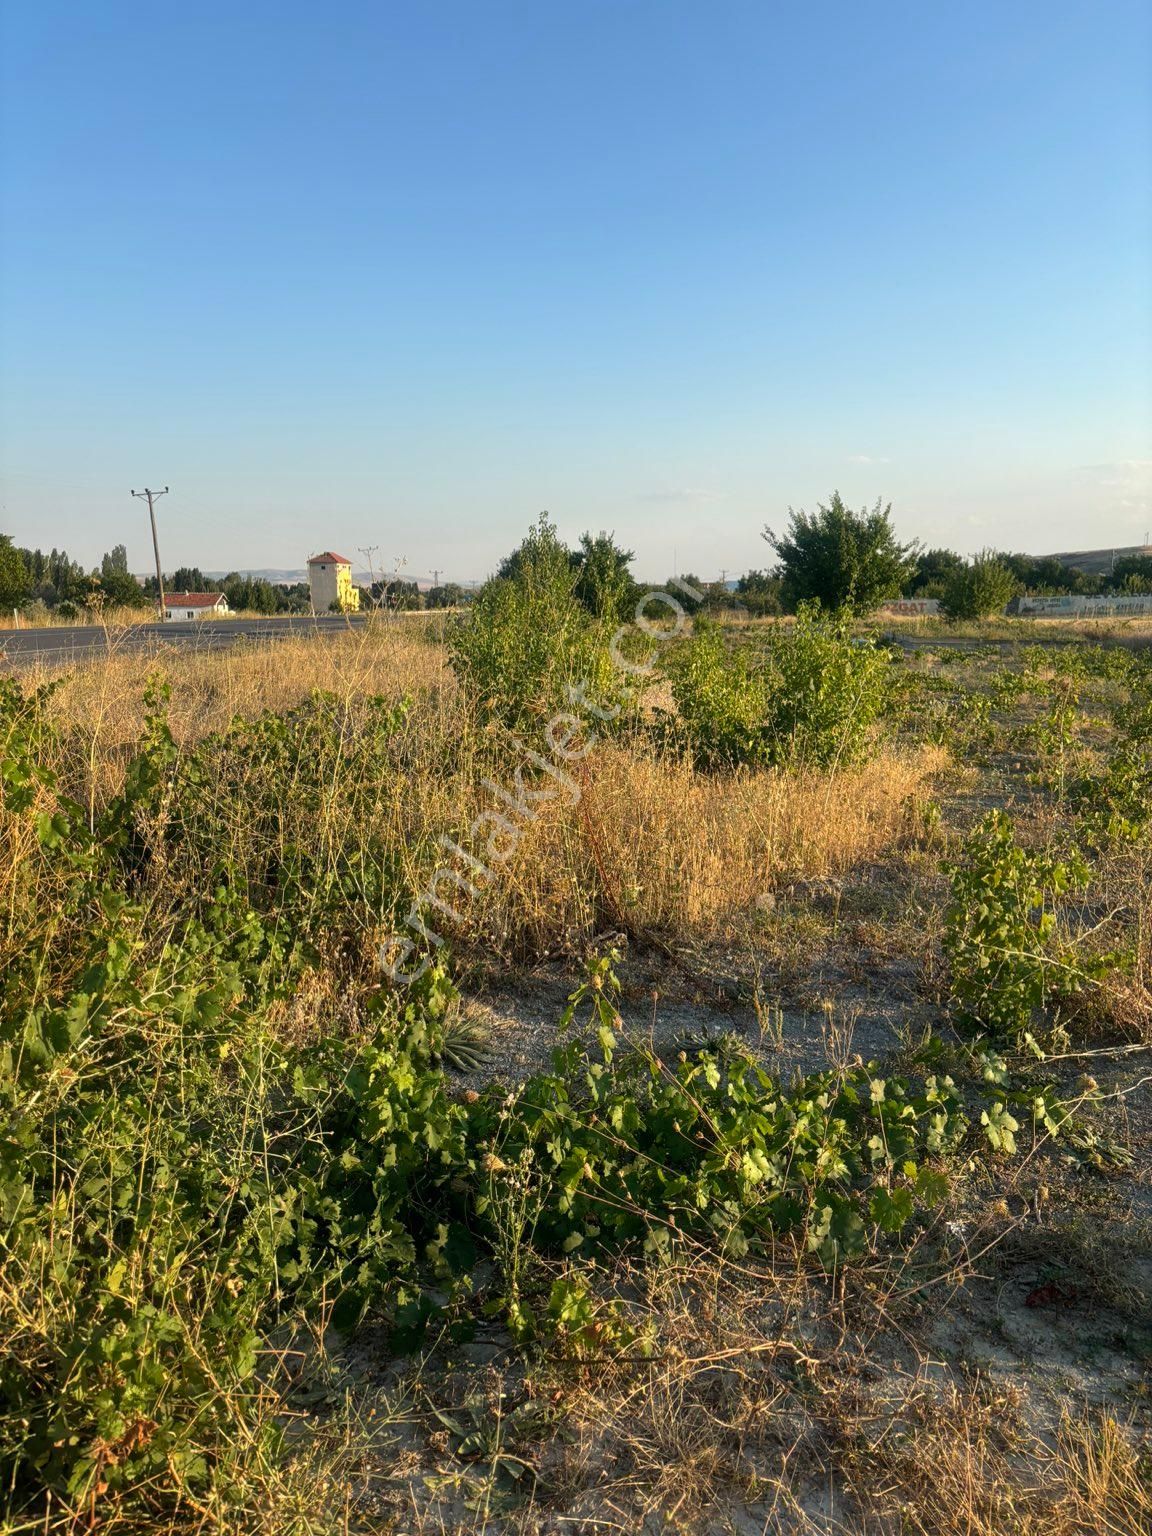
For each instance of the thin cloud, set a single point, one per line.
(867, 458)
(1125, 473)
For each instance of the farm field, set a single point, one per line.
(495, 1077)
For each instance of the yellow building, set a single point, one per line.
(330, 584)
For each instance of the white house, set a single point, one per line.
(182, 606)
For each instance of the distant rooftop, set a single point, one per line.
(329, 558)
(193, 599)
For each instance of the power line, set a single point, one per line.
(153, 496)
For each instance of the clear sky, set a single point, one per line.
(404, 274)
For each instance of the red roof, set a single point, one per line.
(193, 599)
(328, 558)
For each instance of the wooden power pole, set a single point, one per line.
(152, 496)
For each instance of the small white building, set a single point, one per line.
(179, 607)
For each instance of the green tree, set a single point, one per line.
(123, 590)
(14, 582)
(933, 568)
(1043, 575)
(190, 578)
(604, 584)
(541, 554)
(846, 561)
(527, 638)
(115, 584)
(983, 587)
(759, 592)
(450, 595)
(1132, 574)
(393, 593)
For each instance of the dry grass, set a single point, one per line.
(1026, 631)
(654, 846)
(103, 701)
(768, 1402)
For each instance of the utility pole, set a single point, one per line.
(153, 496)
(435, 578)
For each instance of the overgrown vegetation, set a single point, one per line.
(225, 1140)
(979, 589)
(810, 696)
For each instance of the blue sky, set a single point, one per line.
(405, 274)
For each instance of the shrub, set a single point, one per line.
(846, 561)
(758, 593)
(978, 590)
(528, 637)
(1008, 959)
(811, 697)
(627, 1150)
(604, 585)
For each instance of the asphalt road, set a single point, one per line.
(55, 644)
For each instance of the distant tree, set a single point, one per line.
(980, 589)
(1045, 575)
(250, 594)
(718, 596)
(295, 598)
(683, 589)
(190, 578)
(54, 577)
(450, 595)
(1132, 574)
(114, 584)
(123, 590)
(844, 560)
(933, 568)
(394, 593)
(604, 584)
(759, 593)
(14, 579)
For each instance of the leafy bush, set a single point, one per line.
(759, 593)
(810, 697)
(288, 811)
(1008, 959)
(625, 1149)
(978, 590)
(604, 585)
(846, 561)
(528, 637)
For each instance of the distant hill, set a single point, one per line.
(1098, 562)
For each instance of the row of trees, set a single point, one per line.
(31, 578)
(847, 561)
(53, 580)
(852, 562)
